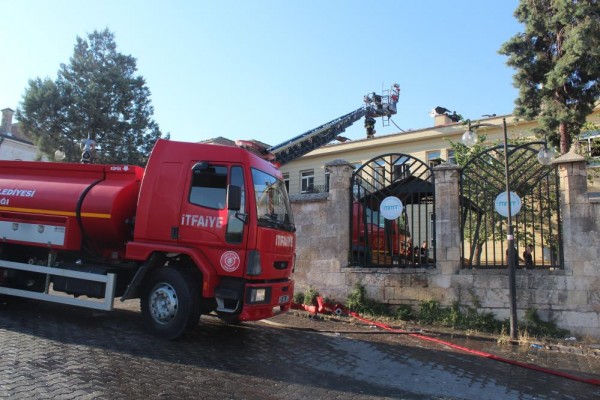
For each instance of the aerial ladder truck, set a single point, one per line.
(202, 228)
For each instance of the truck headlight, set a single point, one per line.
(258, 295)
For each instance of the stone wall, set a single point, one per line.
(322, 231)
(570, 297)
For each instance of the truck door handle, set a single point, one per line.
(174, 232)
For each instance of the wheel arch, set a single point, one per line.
(209, 278)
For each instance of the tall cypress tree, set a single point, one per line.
(557, 62)
(97, 95)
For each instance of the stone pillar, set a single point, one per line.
(447, 218)
(340, 172)
(578, 222)
(572, 172)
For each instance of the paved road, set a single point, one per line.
(50, 351)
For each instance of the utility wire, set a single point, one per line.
(402, 130)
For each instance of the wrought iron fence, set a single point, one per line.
(405, 240)
(537, 226)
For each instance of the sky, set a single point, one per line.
(273, 69)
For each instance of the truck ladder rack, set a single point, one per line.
(375, 106)
(315, 138)
(108, 279)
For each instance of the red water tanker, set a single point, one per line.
(204, 228)
(61, 206)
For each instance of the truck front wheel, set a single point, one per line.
(170, 302)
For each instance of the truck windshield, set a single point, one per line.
(272, 203)
(373, 217)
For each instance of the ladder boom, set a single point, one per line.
(315, 138)
(375, 106)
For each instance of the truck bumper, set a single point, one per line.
(266, 300)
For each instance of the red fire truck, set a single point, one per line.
(203, 228)
(376, 240)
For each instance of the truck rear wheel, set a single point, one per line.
(170, 302)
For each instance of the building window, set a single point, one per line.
(401, 169)
(434, 158)
(358, 180)
(450, 156)
(286, 181)
(327, 177)
(590, 145)
(307, 181)
(379, 175)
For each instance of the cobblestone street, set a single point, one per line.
(50, 351)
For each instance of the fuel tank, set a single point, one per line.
(67, 205)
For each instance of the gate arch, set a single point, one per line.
(483, 230)
(379, 242)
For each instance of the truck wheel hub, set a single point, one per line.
(163, 303)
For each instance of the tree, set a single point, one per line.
(558, 65)
(96, 95)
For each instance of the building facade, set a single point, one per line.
(431, 145)
(15, 144)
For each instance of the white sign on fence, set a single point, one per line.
(501, 204)
(391, 207)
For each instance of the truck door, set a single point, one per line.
(159, 205)
(207, 223)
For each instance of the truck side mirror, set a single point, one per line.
(234, 197)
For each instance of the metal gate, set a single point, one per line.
(537, 224)
(406, 239)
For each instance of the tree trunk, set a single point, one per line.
(477, 255)
(565, 139)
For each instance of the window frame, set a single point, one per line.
(451, 156)
(433, 161)
(286, 181)
(307, 175)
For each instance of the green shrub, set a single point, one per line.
(534, 325)
(310, 297)
(487, 322)
(299, 297)
(357, 301)
(431, 313)
(404, 312)
(356, 298)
